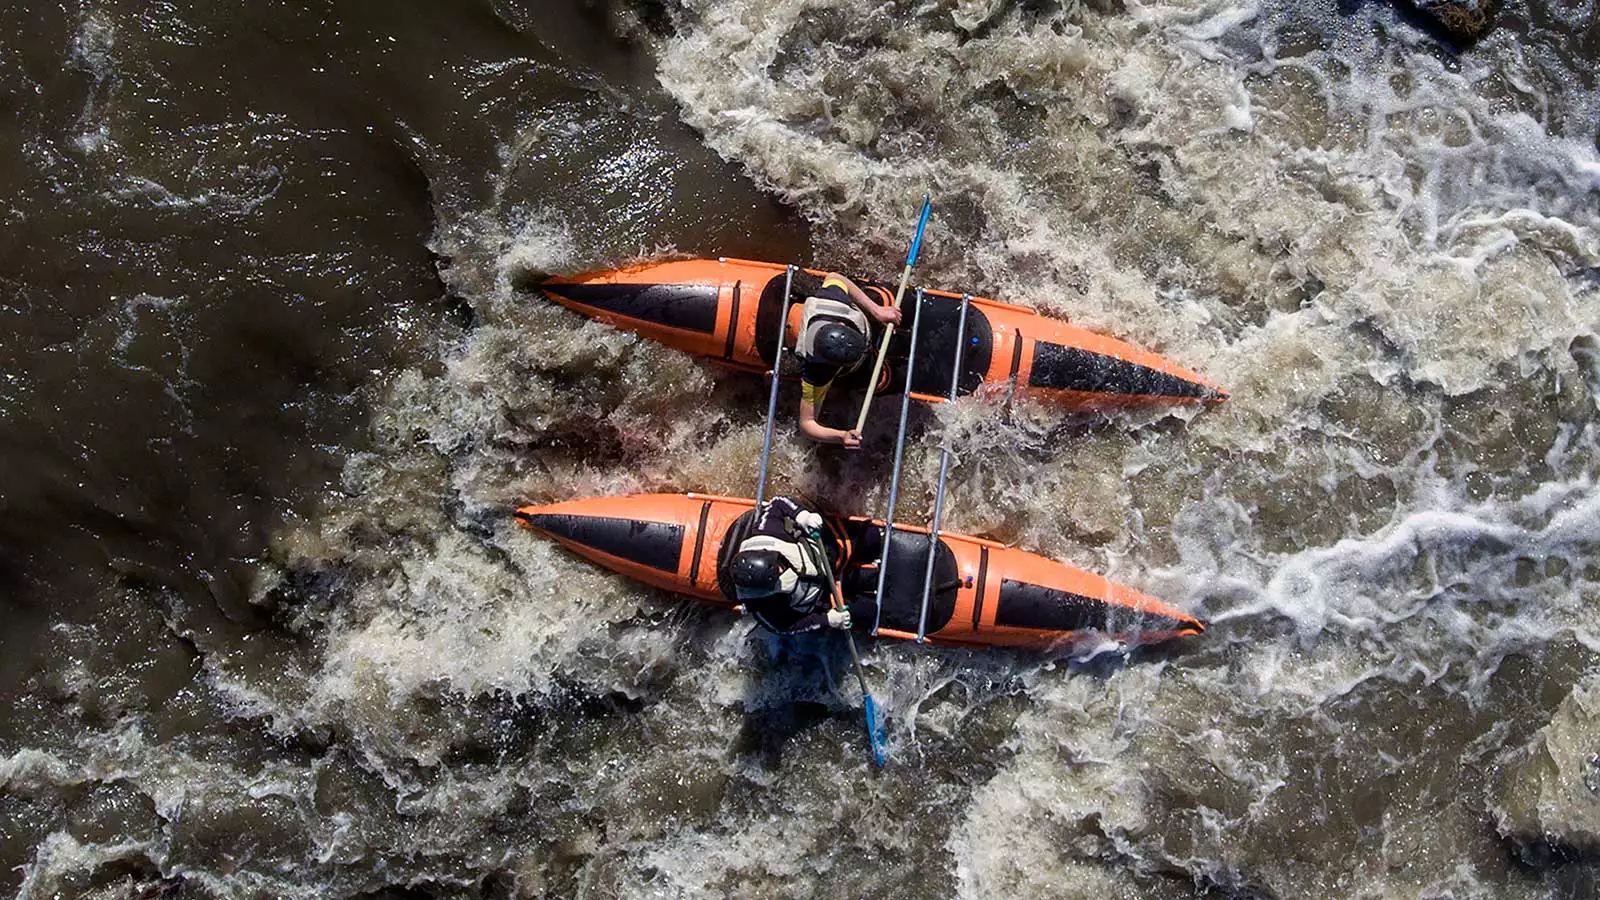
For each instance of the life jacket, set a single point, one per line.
(821, 311)
(801, 584)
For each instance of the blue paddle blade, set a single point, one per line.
(922, 222)
(876, 732)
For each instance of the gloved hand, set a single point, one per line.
(839, 618)
(810, 521)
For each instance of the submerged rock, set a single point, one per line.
(1462, 21)
(1546, 797)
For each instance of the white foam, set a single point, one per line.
(60, 856)
(1322, 241)
(30, 772)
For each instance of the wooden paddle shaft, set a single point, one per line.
(839, 604)
(883, 351)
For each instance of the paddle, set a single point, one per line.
(875, 729)
(888, 331)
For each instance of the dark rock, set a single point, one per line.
(1544, 794)
(1463, 22)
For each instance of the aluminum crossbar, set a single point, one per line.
(899, 456)
(944, 472)
(772, 396)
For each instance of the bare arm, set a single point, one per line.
(811, 428)
(859, 297)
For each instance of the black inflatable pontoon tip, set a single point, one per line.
(691, 307)
(1074, 369)
(654, 544)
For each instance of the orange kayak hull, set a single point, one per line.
(988, 594)
(726, 310)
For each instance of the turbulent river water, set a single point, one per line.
(271, 380)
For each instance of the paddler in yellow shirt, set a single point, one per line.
(835, 337)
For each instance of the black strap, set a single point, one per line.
(983, 575)
(733, 322)
(699, 543)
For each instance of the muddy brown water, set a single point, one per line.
(270, 381)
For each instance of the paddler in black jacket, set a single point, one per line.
(778, 574)
(835, 337)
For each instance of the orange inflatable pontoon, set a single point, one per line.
(984, 593)
(727, 310)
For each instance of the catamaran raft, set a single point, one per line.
(727, 310)
(979, 593)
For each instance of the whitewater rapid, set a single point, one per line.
(1385, 250)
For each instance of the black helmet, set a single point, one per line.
(757, 570)
(840, 345)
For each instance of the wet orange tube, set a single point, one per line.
(986, 594)
(727, 310)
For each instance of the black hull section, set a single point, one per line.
(654, 544)
(690, 307)
(1072, 369)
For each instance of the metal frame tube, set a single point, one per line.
(899, 456)
(772, 396)
(944, 472)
